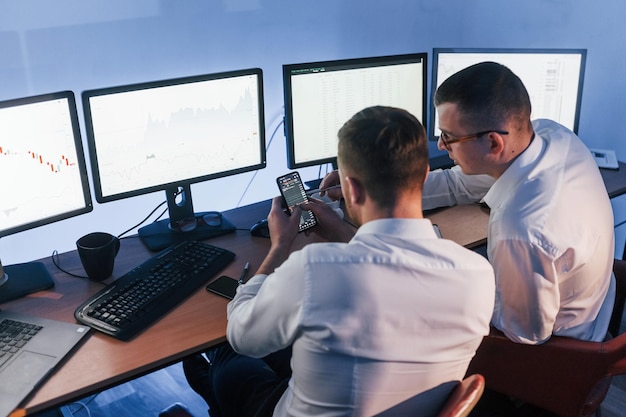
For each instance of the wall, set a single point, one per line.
(73, 44)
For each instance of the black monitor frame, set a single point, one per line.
(293, 70)
(433, 136)
(25, 278)
(161, 234)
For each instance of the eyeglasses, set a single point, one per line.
(210, 218)
(447, 139)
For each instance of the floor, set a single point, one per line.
(614, 404)
(145, 397)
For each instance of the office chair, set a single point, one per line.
(565, 376)
(619, 269)
(464, 397)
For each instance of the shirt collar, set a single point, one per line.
(403, 228)
(515, 173)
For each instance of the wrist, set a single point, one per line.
(346, 234)
(278, 253)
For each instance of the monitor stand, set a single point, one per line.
(183, 223)
(24, 279)
(159, 235)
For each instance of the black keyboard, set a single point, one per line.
(140, 297)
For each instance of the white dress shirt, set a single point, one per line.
(550, 238)
(373, 322)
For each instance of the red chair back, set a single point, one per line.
(464, 397)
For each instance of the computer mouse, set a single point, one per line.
(260, 228)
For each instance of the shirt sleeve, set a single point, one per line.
(450, 187)
(265, 314)
(527, 299)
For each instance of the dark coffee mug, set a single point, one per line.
(97, 252)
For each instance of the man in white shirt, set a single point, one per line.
(550, 236)
(381, 325)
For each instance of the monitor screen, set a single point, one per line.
(42, 170)
(321, 96)
(553, 78)
(167, 135)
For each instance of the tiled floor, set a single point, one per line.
(614, 404)
(145, 397)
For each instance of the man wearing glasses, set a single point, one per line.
(550, 236)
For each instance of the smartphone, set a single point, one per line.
(292, 190)
(224, 286)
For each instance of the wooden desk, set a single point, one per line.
(194, 326)
(466, 225)
(200, 321)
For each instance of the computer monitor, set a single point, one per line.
(43, 177)
(321, 96)
(166, 135)
(553, 78)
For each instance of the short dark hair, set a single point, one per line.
(387, 149)
(488, 95)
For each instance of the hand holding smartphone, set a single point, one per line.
(293, 193)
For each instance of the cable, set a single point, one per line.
(160, 215)
(148, 216)
(81, 406)
(282, 120)
(319, 171)
(55, 253)
(143, 221)
(55, 261)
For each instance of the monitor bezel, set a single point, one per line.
(572, 51)
(186, 182)
(335, 65)
(80, 159)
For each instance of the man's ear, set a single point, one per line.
(356, 192)
(496, 144)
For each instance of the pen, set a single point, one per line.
(324, 190)
(244, 273)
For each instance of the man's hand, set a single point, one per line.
(283, 227)
(330, 180)
(329, 226)
(283, 231)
